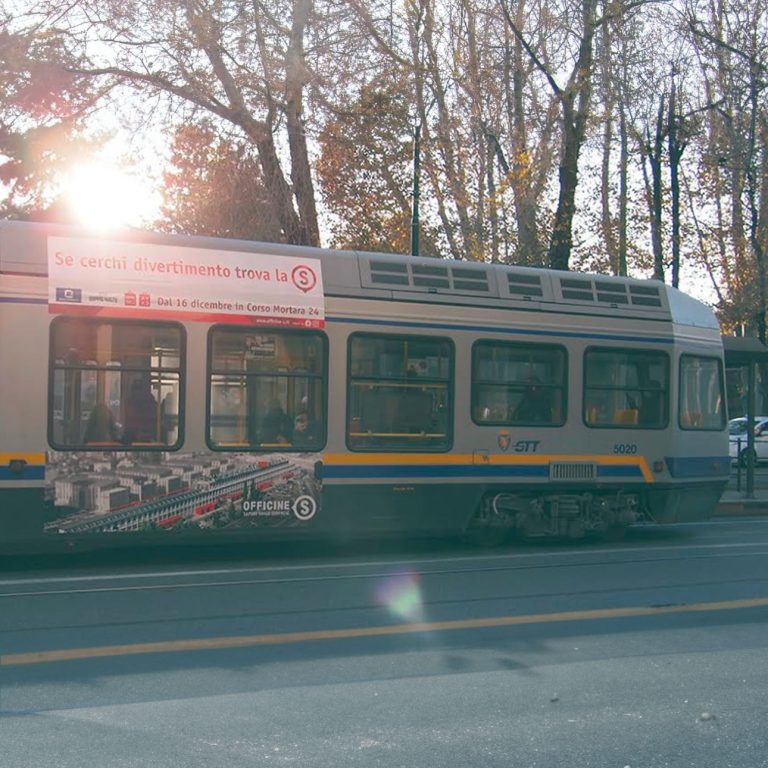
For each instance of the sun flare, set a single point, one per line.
(103, 196)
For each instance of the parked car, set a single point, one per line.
(737, 437)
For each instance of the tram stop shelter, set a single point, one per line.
(743, 356)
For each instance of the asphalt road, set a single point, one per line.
(648, 653)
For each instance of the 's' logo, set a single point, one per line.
(304, 278)
(304, 508)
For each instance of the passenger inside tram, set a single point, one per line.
(101, 426)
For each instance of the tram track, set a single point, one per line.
(707, 551)
(427, 604)
(474, 588)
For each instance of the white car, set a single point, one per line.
(737, 437)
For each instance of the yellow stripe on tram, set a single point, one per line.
(482, 458)
(398, 458)
(33, 459)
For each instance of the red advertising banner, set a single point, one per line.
(103, 277)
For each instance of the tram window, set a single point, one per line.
(518, 384)
(266, 390)
(399, 393)
(626, 388)
(115, 385)
(701, 393)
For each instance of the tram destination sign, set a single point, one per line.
(110, 278)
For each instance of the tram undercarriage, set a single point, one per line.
(569, 515)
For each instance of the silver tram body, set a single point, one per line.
(416, 379)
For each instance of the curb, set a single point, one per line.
(741, 507)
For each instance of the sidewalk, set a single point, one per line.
(735, 503)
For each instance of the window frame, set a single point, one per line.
(626, 350)
(102, 320)
(475, 384)
(721, 380)
(253, 330)
(450, 389)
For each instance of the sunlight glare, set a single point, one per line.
(104, 197)
(401, 594)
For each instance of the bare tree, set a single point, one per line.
(732, 44)
(245, 63)
(531, 146)
(574, 98)
(652, 153)
(487, 140)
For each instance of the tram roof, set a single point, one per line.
(24, 249)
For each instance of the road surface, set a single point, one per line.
(652, 652)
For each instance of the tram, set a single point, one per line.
(159, 387)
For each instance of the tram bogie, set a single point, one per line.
(560, 515)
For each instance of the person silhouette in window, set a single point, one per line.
(306, 432)
(534, 407)
(101, 426)
(140, 414)
(276, 426)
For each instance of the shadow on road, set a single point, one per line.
(260, 553)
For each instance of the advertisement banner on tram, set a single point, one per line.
(114, 279)
(109, 492)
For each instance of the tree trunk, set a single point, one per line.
(528, 245)
(654, 154)
(606, 219)
(301, 173)
(609, 101)
(562, 235)
(575, 103)
(675, 148)
(280, 192)
(623, 189)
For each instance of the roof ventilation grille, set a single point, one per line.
(611, 293)
(430, 277)
(577, 290)
(645, 295)
(464, 279)
(389, 273)
(524, 284)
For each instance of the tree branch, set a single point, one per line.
(529, 50)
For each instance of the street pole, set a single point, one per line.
(751, 398)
